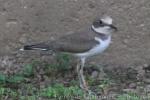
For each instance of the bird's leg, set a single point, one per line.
(80, 67)
(82, 81)
(82, 75)
(79, 76)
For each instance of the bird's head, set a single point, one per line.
(104, 25)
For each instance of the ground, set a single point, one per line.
(30, 21)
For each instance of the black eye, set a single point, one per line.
(100, 22)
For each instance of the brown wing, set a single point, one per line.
(75, 43)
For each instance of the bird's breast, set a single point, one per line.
(97, 49)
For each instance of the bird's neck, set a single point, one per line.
(103, 36)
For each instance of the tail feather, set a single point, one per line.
(42, 47)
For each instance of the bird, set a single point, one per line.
(90, 42)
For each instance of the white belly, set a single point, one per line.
(97, 49)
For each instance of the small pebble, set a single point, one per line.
(94, 74)
(125, 41)
(145, 65)
(132, 85)
(129, 90)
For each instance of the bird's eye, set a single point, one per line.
(100, 22)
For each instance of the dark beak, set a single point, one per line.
(113, 27)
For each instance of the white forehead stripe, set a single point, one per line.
(107, 20)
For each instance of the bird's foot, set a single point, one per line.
(91, 93)
(87, 91)
(84, 88)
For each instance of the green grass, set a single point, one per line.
(58, 91)
(132, 96)
(22, 86)
(15, 87)
(10, 79)
(129, 96)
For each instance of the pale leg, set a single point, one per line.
(80, 67)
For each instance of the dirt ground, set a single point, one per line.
(30, 21)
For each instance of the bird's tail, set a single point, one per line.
(40, 46)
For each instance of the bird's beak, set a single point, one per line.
(113, 27)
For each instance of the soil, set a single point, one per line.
(30, 21)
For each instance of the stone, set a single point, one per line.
(94, 74)
(125, 41)
(132, 85)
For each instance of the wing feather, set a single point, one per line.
(75, 43)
